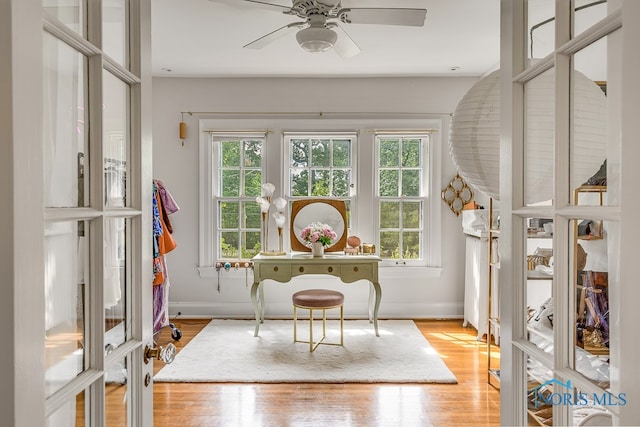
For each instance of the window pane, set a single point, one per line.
(541, 27)
(411, 183)
(539, 270)
(411, 245)
(299, 182)
(591, 130)
(252, 182)
(230, 183)
(253, 153)
(116, 382)
(73, 413)
(69, 12)
(341, 152)
(229, 215)
(539, 138)
(229, 244)
(66, 278)
(389, 183)
(341, 183)
(299, 153)
(230, 154)
(389, 244)
(389, 214)
(389, 154)
(115, 278)
(116, 99)
(251, 217)
(320, 153)
(411, 153)
(411, 214)
(320, 183)
(251, 244)
(592, 270)
(65, 114)
(114, 30)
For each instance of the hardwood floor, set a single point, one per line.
(471, 402)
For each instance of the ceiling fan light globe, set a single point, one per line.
(316, 40)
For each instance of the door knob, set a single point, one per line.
(166, 354)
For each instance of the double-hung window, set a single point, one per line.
(402, 178)
(236, 179)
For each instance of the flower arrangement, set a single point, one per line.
(318, 232)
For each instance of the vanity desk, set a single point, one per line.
(282, 268)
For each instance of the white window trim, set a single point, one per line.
(431, 239)
(363, 177)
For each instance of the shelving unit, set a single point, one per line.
(493, 321)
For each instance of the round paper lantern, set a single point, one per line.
(474, 140)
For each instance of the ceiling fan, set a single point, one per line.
(318, 32)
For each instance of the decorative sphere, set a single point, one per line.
(474, 139)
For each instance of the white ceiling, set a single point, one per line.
(200, 38)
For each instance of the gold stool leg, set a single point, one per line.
(341, 324)
(311, 329)
(295, 323)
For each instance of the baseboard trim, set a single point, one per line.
(284, 311)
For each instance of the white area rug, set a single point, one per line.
(227, 351)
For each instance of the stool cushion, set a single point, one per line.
(318, 298)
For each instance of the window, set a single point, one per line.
(239, 182)
(386, 179)
(401, 175)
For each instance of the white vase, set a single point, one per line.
(317, 249)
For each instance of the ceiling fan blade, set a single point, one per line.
(344, 46)
(384, 16)
(254, 4)
(274, 35)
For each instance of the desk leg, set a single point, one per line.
(261, 302)
(256, 305)
(377, 291)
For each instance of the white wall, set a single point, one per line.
(177, 166)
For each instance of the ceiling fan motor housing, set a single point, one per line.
(316, 38)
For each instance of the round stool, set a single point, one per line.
(317, 299)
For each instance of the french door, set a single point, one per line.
(88, 303)
(568, 164)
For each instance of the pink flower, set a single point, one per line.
(317, 232)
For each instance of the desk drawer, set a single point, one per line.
(351, 272)
(310, 268)
(277, 272)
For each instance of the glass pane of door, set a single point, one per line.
(114, 30)
(115, 280)
(72, 13)
(589, 118)
(66, 286)
(65, 135)
(592, 268)
(540, 28)
(117, 393)
(539, 271)
(74, 413)
(116, 140)
(539, 138)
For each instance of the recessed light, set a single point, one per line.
(168, 70)
(454, 68)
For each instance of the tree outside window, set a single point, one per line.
(401, 168)
(239, 183)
